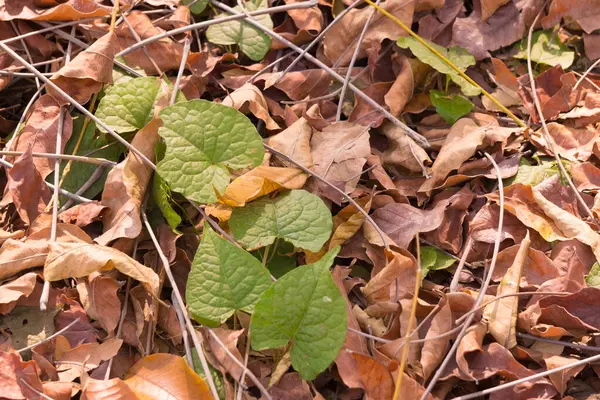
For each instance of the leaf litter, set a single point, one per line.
(207, 224)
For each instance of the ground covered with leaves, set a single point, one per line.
(299, 199)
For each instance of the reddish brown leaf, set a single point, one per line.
(69, 10)
(17, 376)
(12, 291)
(376, 379)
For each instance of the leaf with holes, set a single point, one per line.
(223, 279)
(203, 140)
(306, 308)
(458, 55)
(252, 41)
(298, 217)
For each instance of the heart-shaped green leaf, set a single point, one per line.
(223, 279)
(304, 307)
(203, 140)
(433, 259)
(298, 217)
(127, 106)
(458, 55)
(252, 41)
(451, 108)
(197, 6)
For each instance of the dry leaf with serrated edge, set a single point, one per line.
(251, 97)
(74, 260)
(260, 181)
(502, 314)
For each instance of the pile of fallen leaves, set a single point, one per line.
(298, 200)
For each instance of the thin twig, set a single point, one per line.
(24, 44)
(205, 24)
(381, 234)
(184, 333)
(55, 334)
(123, 311)
(243, 377)
(76, 104)
(585, 74)
(410, 132)
(361, 37)
(545, 131)
(484, 287)
(17, 129)
(41, 394)
(180, 303)
(52, 156)
(184, 57)
(561, 343)
(51, 28)
(461, 264)
(233, 358)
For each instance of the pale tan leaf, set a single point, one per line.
(249, 98)
(294, 142)
(502, 314)
(74, 260)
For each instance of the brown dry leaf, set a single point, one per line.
(70, 10)
(339, 153)
(348, 222)
(165, 52)
(555, 92)
(250, 98)
(434, 351)
(538, 268)
(401, 222)
(112, 389)
(310, 20)
(298, 85)
(260, 181)
(291, 387)
(40, 132)
(27, 188)
(88, 72)
(12, 291)
(591, 44)
(489, 7)
(583, 12)
(507, 25)
(586, 176)
(365, 114)
(100, 301)
(294, 142)
(376, 379)
(571, 143)
(399, 151)
(83, 214)
(70, 364)
(560, 379)
(229, 339)
(401, 265)
(73, 260)
(370, 324)
(126, 185)
(19, 378)
(339, 43)
(402, 89)
(502, 314)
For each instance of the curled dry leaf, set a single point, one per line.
(250, 98)
(73, 260)
(400, 267)
(88, 71)
(12, 291)
(70, 10)
(19, 378)
(502, 314)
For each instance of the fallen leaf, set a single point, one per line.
(339, 42)
(502, 314)
(83, 214)
(70, 10)
(12, 291)
(562, 378)
(71, 363)
(538, 268)
(100, 300)
(19, 378)
(400, 267)
(571, 143)
(261, 181)
(230, 340)
(401, 149)
(339, 153)
(294, 142)
(376, 379)
(88, 72)
(572, 11)
(433, 351)
(73, 260)
(250, 98)
(489, 7)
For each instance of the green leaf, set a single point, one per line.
(529, 174)
(546, 48)
(80, 172)
(203, 140)
(216, 375)
(223, 279)
(161, 192)
(280, 260)
(128, 106)
(304, 307)
(592, 279)
(451, 108)
(198, 6)
(433, 259)
(299, 217)
(457, 55)
(252, 41)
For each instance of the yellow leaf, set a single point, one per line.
(166, 376)
(260, 181)
(75, 260)
(502, 314)
(348, 221)
(219, 211)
